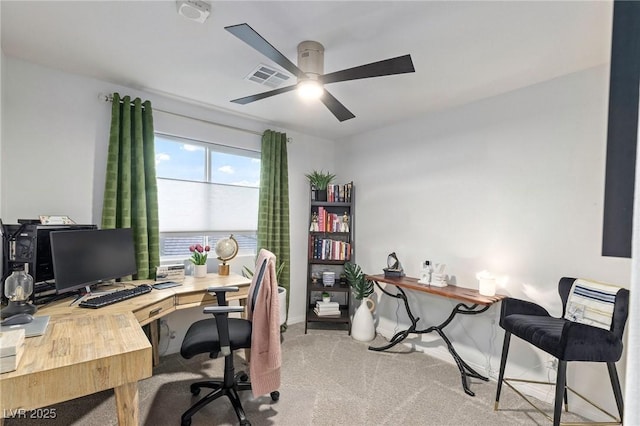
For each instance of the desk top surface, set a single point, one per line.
(190, 285)
(452, 292)
(76, 335)
(88, 350)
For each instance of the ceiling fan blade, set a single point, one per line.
(247, 34)
(336, 108)
(257, 97)
(399, 65)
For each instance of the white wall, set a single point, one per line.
(54, 149)
(513, 184)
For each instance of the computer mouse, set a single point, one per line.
(18, 319)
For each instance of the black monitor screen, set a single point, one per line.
(86, 257)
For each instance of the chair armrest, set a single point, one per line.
(225, 289)
(580, 340)
(512, 306)
(217, 310)
(220, 293)
(221, 313)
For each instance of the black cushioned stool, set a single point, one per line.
(566, 339)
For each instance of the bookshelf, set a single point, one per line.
(330, 246)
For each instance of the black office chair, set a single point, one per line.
(225, 335)
(568, 340)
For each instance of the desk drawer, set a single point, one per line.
(198, 298)
(155, 311)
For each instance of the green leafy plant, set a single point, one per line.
(319, 179)
(199, 254)
(325, 294)
(360, 286)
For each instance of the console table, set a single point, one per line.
(84, 351)
(471, 303)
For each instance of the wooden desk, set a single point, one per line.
(90, 350)
(478, 304)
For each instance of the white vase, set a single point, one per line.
(282, 297)
(362, 326)
(199, 271)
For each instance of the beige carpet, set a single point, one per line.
(327, 379)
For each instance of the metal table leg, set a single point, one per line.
(464, 368)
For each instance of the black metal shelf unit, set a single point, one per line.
(330, 246)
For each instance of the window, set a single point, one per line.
(205, 192)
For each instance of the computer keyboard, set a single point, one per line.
(115, 297)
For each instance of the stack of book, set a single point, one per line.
(327, 309)
(11, 349)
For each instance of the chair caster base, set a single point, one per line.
(275, 395)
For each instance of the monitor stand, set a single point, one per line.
(82, 293)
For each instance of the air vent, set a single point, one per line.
(267, 76)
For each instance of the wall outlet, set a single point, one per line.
(553, 364)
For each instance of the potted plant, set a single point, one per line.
(362, 326)
(199, 259)
(320, 180)
(326, 297)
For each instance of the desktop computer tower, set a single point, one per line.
(28, 243)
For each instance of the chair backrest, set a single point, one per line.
(620, 310)
(256, 287)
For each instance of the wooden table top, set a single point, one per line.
(87, 350)
(450, 291)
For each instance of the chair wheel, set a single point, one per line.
(245, 423)
(186, 422)
(275, 395)
(243, 377)
(195, 390)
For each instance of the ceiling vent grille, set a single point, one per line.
(267, 76)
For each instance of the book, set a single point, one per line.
(11, 349)
(327, 305)
(328, 313)
(328, 309)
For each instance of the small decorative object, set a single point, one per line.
(394, 267)
(425, 273)
(362, 326)
(326, 297)
(226, 249)
(344, 224)
(17, 288)
(328, 278)
(487, 283)
(314, 222)
(438, 277)
(320, 180)
(199, 259)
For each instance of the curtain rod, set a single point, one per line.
(109, 98)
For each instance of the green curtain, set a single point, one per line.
(131, 191)
(273, 206)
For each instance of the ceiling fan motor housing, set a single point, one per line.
(311, 59)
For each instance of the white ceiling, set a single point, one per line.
(462, 51)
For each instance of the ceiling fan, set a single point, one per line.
(310, 70)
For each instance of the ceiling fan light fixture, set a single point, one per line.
(310, 89)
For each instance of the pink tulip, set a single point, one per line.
(207, 248)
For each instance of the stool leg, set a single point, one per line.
(561, 382)
(615, 384)
(503, 362)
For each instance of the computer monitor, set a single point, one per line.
(86, 257)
